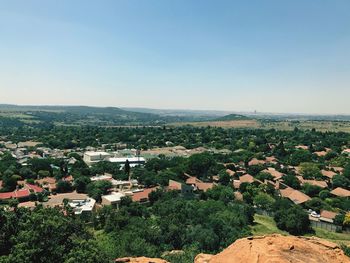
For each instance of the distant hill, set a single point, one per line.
(233, 117)
(77, 115)
(20, 115)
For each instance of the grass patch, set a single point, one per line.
(338, 238)
(265, 225)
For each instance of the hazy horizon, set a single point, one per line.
(270, 56)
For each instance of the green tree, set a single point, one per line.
(264, 201)
(293, 220)
(224, 178)
(63, 187)
(81, 183)
(86, 251)
(310, 171)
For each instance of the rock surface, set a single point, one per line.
(268, 249)
(140, 260)
(278, 249)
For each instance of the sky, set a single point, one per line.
(282, 56)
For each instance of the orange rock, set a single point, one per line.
(278, 249)
(203, 258)
(140, 260)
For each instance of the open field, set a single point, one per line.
(335, 126)
(265, 225)
(223, 124)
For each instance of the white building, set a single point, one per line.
(133, 161)
(95, 157)
(112, 199)
(82, 206)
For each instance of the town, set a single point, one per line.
(273, 172)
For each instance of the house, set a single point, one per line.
(321, 184)
(192, 180)
(327, 216)
(295, 196)
(82, 206)
(68, 178)
(33, 188)
(340, 192)
(238, 196)
(113, 198)
(143, 196)
(236, 184)
(247, 178)
(18, 194)
(271, 159)
(338, 170)
(276, 174)
(204, 186)
(31, 205)
(302, 147)
(57, 199)
(255, 161)
(104, 177)
(133, 161)
(230, 172)
(329, 174)
(176, 186)
(95, 157)
(173, 185)
(322, 153)
(48, 183)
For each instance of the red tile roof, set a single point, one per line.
(6, 195)
(15, 194)
(236, 184)
(230, 172)
(68, 178)
(276, 174)
(255, 161)
(341, 192)
(294, 195)
(34, 188)
(204, 186)
(173, 185)
(247, 178)
(21, 193)
(143, 196)
(46, 180)
(329, 174)
(328, 214)
(318, 183)
(193, 180)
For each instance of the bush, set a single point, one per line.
(293, 220)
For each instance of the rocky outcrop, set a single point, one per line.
(267, 249)
(278, 249)
(140, 260)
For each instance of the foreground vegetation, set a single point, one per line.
(194, 222)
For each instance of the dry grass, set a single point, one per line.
(222, 124)
(334, 126)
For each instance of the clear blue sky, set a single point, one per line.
(270, 56)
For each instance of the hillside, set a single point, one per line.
(74, 115)
(233, 117)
